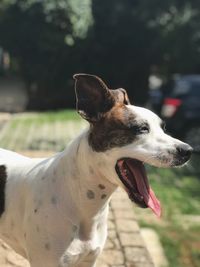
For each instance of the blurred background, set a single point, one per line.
(150, 48)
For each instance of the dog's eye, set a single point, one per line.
(144, 129)
(140, 129)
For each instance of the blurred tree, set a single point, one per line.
(177, 23)
(40, 36)
(122, 46)
(131, 36)
(119, 40)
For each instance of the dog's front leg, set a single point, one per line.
(79, 254)
(91, 259)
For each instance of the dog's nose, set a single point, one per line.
(184, 150)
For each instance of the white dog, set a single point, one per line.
(54, 211)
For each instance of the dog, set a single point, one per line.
(53, 211)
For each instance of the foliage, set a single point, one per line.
(38, 34)
(119, 40)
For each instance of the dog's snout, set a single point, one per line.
(184, 150)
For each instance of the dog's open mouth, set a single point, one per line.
(133, 175)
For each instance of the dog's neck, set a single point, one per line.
(88, 177)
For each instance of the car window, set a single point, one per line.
(195, 88)
(181, 87)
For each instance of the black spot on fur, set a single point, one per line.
(101, 186)
(47, 246)
(54, 200)
(91, 170)
(103, 196)
(90, 194)
(3, 177)
(12, 224)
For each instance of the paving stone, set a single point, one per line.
(131, 239)
(127, 225)
(112, 257)
(112, 243)
(100, 264)
(139, 264)
(137, 254)
(153, 244)
(125, 214)
(111, 225)
(112, 234)
(110, 216)
(121, 205)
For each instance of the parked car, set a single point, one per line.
(180, 108)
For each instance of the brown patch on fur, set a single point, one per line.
(114, 130)
(3, 177)
(120, 96)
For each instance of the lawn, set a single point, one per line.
(41, 131)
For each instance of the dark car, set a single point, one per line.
(180, 108)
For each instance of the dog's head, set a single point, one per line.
(132, 135)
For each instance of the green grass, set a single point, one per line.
(179, 193)
(41, 130)
(182, 247)
(47, 117)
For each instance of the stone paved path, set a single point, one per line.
(125, 246)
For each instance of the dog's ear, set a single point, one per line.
(121, 96)
(93, 98)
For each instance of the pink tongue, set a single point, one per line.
(143, 187)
